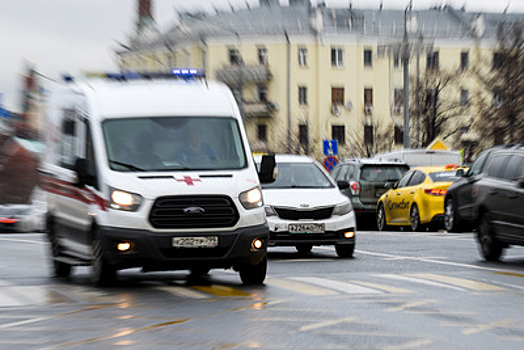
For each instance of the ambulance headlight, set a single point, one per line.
(252, 198)
(123, 200)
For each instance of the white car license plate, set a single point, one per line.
(306, 228)
(195, 242)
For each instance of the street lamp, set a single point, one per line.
(405, 63)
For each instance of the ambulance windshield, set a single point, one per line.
(173, 143)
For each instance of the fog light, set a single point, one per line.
(123, 246)
(257, 244)
(349, 234)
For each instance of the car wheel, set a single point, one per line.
(345, 250)
(253, 274)
(490, 246)
(414, 219)
(304, 248)
(381, 218)
(103, 273)
(61, 269)
(451, 222)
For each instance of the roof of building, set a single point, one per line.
(303, 19)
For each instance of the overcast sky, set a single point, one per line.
(59, 36)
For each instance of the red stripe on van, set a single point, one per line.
(67, 189)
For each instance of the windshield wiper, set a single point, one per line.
(129, 166)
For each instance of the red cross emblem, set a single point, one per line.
(188, 180)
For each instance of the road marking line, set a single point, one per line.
(460, 282)
(183, 292)
(300, 287)
(325, 324)
(481, 328)
(383, 287)
(421, 281)
(344, 287)
(411, 305)
(418, 344)
(222, 291)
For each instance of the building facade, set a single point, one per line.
(303, 74)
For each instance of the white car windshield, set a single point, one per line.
(173, 143)
(299, 175)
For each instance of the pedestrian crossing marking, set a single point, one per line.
(460, 282)
(183, 292)
(304, 288)
(222, 291)
(389, 289)
(343, 287)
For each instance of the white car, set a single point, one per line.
(21, 218)
(305, 208)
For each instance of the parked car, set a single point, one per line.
(366, 178)
(460, 208)
(490, 199)
(305, 208)
(417, 199)
(21, 218)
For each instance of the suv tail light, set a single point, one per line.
(435, 191)
(355, 188)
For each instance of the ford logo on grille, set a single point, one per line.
(194, 211)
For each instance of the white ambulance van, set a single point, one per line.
(152, 171)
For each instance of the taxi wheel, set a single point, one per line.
(381, 218)
(491, 247)
(103, 274)
(414, 219)
(254, 274)
(304, 248)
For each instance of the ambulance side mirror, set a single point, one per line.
(84, 172)
(267, 173)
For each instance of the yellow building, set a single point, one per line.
(303, 74)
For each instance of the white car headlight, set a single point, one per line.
(252, 198)
(343, 209)
(123, 200)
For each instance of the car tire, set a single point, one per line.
(304, 248)
(381, 218)
(451, 220)
(490, 246)
(60, 269)
(345, 250)
(104, 274)
(253, 274)
(414, 219)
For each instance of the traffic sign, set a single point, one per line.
(330, 163)
(330, 147)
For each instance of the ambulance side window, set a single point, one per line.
(90, 154)
(68, 139)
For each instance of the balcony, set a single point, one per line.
(255, 109)
(237, 75)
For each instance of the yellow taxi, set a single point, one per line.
(417, 199)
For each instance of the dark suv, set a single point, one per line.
(490, 198)
(366, 178)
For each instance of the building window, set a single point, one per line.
(302, 95)
(303, 134)
(432, 60)
(338, 133)
(368, 58)
(464, 60)
(397, 60)
(337, 57)
(262, 56)
(262, 132)
(262, 93)
(497, 60)
(464, 98)
(399, 100)
(302, 57)
(368, 97)
(234, 57)
(399, 135)
(337, 96)
(368, 135)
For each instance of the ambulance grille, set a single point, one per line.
(185, 212)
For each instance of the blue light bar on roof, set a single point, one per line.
(177, 73)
